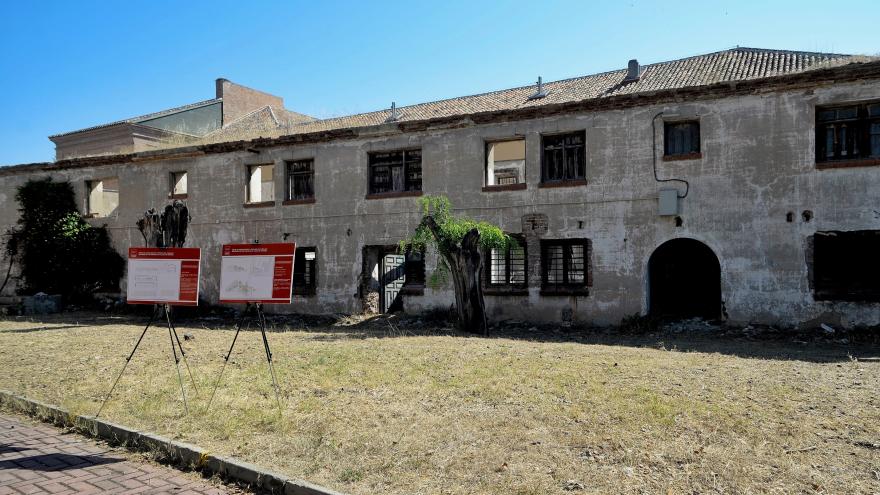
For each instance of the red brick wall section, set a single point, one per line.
(240, 100)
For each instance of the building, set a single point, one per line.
(235, 107)
(739, 184)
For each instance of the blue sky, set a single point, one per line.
(69, 65)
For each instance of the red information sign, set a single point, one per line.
(164, 276)
(257, 273)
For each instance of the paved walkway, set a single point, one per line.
(37, 458)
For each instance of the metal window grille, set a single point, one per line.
(301, 179)
(395, 171)
(564, 157)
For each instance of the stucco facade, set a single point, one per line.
(757, 164)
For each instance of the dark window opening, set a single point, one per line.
(305, 265)
(301, 179)
(848, 133)
(415, 269)
(395, 171)
(681, 138)
(508, 266)
(564, 157)
(846, 266)
(564, 264)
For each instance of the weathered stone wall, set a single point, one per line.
(758, 164)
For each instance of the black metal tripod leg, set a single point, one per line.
(182, 354)
(262, 319)
(127, 360)
(226, 359)
(177, 365)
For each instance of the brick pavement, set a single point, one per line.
(37, 458)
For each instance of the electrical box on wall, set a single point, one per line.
(668, 202)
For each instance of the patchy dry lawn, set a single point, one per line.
(365, 412)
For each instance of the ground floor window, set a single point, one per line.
(507, 266)
(564, 264)
(305, 266)
(846, 265)
(415, 269)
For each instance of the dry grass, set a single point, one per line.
(367, 413)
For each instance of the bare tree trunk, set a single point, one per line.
(466, 266)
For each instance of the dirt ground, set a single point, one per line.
(411, 407)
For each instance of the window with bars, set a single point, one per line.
(564, 264)
(395, 171)
(681, 138)
(848, 133)
(508, 266)
(300, 179)
(564, 157)
(305, 266)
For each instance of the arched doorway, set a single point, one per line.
(685, 280)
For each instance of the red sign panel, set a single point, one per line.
(163, 276)
(257, 273)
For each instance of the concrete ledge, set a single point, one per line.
(168, 450)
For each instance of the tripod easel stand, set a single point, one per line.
(164, 309)
(261, 319)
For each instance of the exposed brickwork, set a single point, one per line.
(43, 459)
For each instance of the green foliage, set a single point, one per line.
(59, 252)
(451, 229)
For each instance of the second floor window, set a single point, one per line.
(301, 179)
(505, 162)
(178, 185)
(395, 171)
(681, 138)
(848, 133)
(564, 157)
(261, 183)
(103, 197)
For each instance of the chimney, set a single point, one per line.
(633, 71)
(540, 92)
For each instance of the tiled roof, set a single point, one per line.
(737, 64)
(149, 116)
(264, 121)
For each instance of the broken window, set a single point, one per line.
(681, 138)
(301, 179)
(507, 266)
(848, 133)
(564, 157)
(261, 183)
(845, 266)
(103, 197)
(305, 266)
(178, 185)
(395, 171)
(505, 162)
(564, 264)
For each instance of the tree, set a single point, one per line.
(460, 243)
(58, 251)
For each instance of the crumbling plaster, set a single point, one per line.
(758, 163)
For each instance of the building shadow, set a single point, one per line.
(56, 462)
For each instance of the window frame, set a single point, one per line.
(171, 176)
(88, 207)
(867, 114)
(311, 288)
(504, 187)
(547, 182)
(669, 126)
(404, 164)
(247, 186)
(566, 288)
(508, 286)
(414, 285)
(289, 194)
(836, 278)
